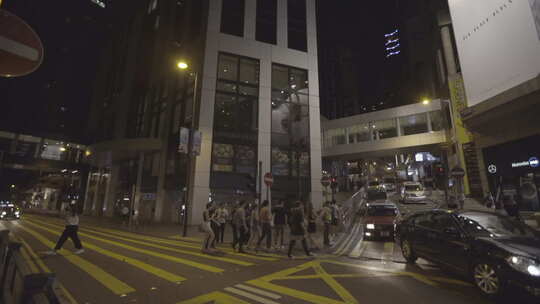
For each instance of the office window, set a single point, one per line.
(359, 133)
(232, 17)
(437, 122)
(234, 148)
(413, 124)
(297, 24)
(384, 129)
(266, 30)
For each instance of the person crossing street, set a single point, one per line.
(266, 224)
(70, 231)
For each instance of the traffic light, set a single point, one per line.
(333, 183)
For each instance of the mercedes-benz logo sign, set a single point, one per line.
(492, 169)
(534, 162)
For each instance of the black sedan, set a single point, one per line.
(494, 251)
(10, 212)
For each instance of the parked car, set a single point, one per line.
(413, 192)
(379, 219)
(492, 250)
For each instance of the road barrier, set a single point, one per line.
(19, 284)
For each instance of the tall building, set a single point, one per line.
(251, 89)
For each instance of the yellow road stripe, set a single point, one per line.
(330, 281)
(134, 262)
(304, 296)
(46, 269)
(152, 253)
(264, 257)
(187, 238)
(216, 297)
(116, 286)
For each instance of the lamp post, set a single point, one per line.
(184, 66)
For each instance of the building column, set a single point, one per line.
(110, 196)
(429, 126)
(448, 51)
(138, 195)
(250, 19)
(282, 24)
(398, 127)
(96, 192)
(87, 189)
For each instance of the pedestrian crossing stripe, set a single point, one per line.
(171, 277)
(148, 252)
(216, 297)
(109, 281)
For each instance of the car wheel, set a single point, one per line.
(486, 278)
(407, 251)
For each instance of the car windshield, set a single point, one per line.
(376, 195)
(413, 188)
(381, 211)
(493, 225)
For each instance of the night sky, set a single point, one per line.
(54, 100)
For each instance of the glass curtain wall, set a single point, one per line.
(234, 150)
(290, 132)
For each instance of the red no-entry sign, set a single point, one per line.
(21, 51)
(268, 179)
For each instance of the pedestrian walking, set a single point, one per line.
(311, 219)
(280, 219)
(70, 231)
(214, 224)
(298, 230)
(232, 211)
(125, 215)
(510, 206)
(254, 226)
(326, 218)
(240, 227)
(222, 216)
(206, 227)
(265, 217)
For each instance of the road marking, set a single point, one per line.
(113, 284)
(265, 257)
(46, 269)
(152, 253)
(19, 49)
(258, 291)
(359, 249)
(330, 281)
(249, 295)
(29, 261)
(179, 237)
(348, 240)
(171, 277)
(216, 297)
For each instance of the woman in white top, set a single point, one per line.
(72, 227)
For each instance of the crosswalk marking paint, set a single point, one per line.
(171, 277)
(44, 268)
(258, 291)
(265, 257)
(155, 254)
(29, 261)
(216, 297)
(249, 296)
(348, 240)
(228, 260)
(113, 284)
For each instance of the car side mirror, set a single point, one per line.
(452, 232)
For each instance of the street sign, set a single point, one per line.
(21, 51)
(183, 140)
(325, 181)
(268, 179)
(457, 172)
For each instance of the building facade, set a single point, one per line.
(251, 90)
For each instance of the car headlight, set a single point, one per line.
(524, 265)
(370, 226)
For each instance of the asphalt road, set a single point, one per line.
(124, 267)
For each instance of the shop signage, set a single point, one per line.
(533, 162)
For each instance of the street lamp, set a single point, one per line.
(184, 66)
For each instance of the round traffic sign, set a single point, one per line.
(268, 179)
(325, 181)
(21, 51)
(492, 169)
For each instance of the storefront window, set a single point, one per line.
(413, 124)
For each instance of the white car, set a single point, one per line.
(413, 192)
(390, 184)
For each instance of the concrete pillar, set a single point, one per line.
(429, 126)
(110, 196)
(448, 50)
(96, 192)
(161, 193)
(250, 19)
(87, 189)
(138, 194)
(282, 24)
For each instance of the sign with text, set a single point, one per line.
(498, 44)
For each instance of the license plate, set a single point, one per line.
(385, 233)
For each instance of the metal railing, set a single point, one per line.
(19, 283)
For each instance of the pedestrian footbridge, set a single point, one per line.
(410, 128)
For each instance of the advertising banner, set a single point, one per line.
(183, 140)
(498, 44)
